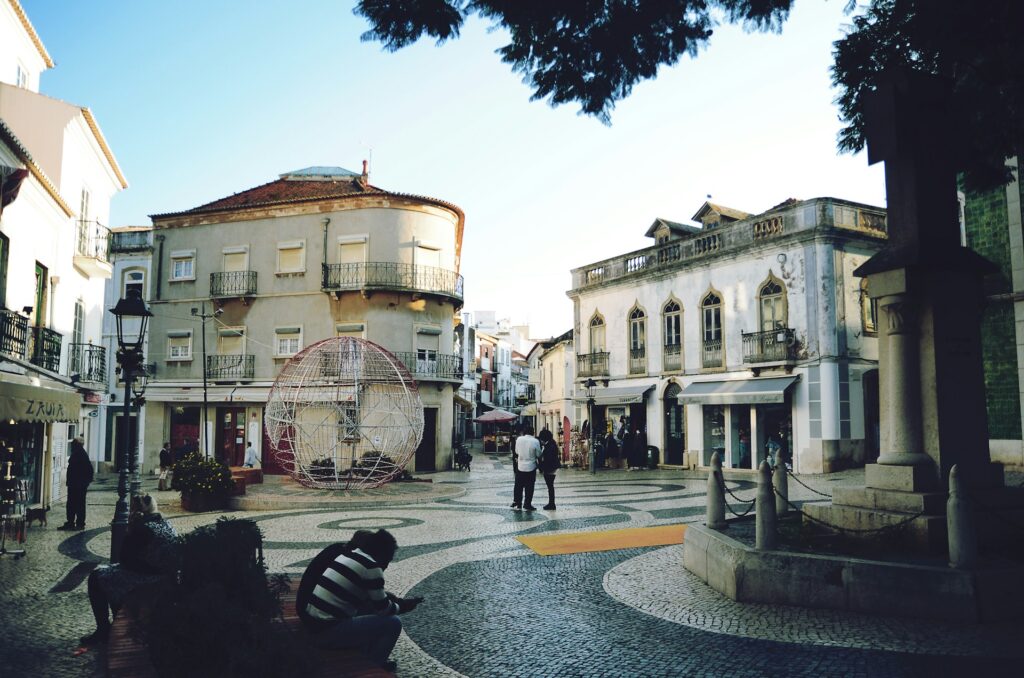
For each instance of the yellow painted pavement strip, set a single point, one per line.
(605, 540)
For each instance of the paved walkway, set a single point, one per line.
(494, 608)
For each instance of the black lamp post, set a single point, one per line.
(589, 384)
(132, 316)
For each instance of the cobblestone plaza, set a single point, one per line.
(495, 608)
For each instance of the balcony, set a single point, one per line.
(435, 368)
(592, 365)
(13, 334)
(386, 275)
(773, 346)
(45, 348)
(672, 357)
(711, 354)
(92, 249)
(130, 241)
(233, 284)
(88, 361)
(638, 360)
(823, 215)
(232, 367)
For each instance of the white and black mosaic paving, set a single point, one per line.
(496, 609)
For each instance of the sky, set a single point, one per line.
(200, 99)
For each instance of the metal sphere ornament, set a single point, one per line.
(344, 413)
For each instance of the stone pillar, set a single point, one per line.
(963, 543)
(903, 445)
(715, 496)
(780, 481)
(766, 521)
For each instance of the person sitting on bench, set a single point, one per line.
(341, 599)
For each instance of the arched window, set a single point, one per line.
(868, 309)
(772, 305)
(672, 353)
(597, 334)
(134, 279)
(637, 341)
(711, 311)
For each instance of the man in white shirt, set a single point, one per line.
(528, 452)
(250, 456)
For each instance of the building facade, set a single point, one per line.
(58, 176)
(747, 336)
(244, 283)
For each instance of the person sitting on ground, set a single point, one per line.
(341, 599)
(149, 553)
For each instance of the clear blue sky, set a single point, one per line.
(202, 99)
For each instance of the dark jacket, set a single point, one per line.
(165, 457)
(549, 458)
(79, 466)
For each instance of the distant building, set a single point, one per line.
(738, 335)
(57, 176)
(316, 253)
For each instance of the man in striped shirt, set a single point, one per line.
(342, 600)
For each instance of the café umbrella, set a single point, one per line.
(496, 417)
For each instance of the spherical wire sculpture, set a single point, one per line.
(344, 413)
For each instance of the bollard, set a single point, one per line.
(780, 481)
(963, 543)
(716, 497)
(766, 521)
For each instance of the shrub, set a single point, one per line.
(200, 477)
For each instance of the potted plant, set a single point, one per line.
(205, 484)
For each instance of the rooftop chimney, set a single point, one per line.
(365, 179)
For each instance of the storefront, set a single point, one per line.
(744, 420)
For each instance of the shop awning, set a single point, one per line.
(619, 395)
(23, 400)
(737, 391)
(459, 400)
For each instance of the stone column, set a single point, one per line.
(904, 444)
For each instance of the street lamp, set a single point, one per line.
(132, 316)
(590, 384)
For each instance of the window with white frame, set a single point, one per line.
(672, 314)
(427, 348)
(772, 304)
(287, 341)
(597, 334)
(291, 256)
(868, 310)
(231, 341)
(22, 77)
(179, 345)
(183, 265)
(133, 280)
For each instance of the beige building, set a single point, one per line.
(317, 253)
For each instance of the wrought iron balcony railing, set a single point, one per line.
(93, 240)
(637, 360)
(226, 284)
(711, 356)
(387, 275)
(130, 241)
(441, 367)
(88, 361)
(672, 357)
(45, 349)
(231, 367)
(14, 337)
(592, 364)
(778, 345)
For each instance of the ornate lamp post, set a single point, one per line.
(590, 384)
(132, 315)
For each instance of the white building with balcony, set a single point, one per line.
(745, 335)
(314, 254)
(58, 176)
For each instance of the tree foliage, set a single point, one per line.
(593, 52)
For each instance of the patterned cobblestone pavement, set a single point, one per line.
(495, 609)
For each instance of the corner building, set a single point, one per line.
(317, 253)
(744, 335)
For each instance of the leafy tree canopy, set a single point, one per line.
(593, 52)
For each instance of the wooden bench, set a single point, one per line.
(253, 476)
(127, 657)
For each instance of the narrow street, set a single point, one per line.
(495, 608)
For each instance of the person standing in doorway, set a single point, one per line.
(549, 464)
(78, 478)
(250, 456)
(527, 455)
(166, 461)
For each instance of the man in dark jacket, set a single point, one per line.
(78, 478)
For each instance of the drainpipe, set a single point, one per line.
(159, 264)
(323, 271)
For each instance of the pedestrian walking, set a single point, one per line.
(78, 478)
(638, 450)
(549, 464)
(611, 450)
(527, 454)
(627, 448)
(166, 461)
(250, 456)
